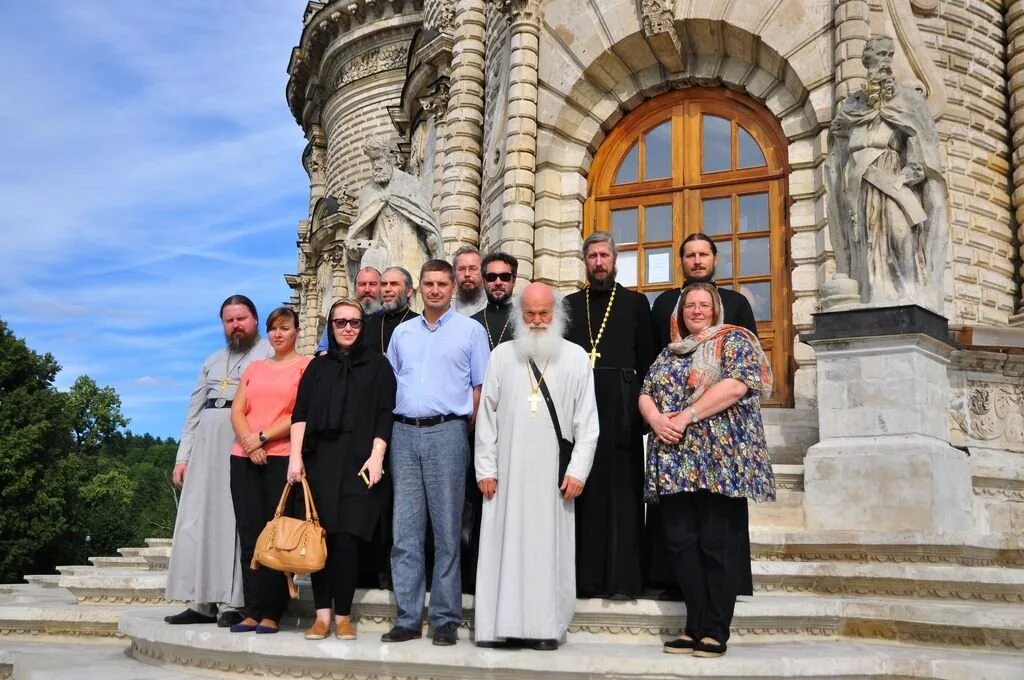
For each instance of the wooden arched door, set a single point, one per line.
(701, 160)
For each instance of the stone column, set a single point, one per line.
(515, 233)
(884, 462)
(1015, 86)
(436, 104)
(851, 30)
(460, 178)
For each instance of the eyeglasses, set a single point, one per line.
(341, 323)
(702, 306)
(491, 277)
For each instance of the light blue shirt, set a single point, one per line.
(438, 369)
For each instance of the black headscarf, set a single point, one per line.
(333, 385)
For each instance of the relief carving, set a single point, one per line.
(496, 109)
(989, 411)
(439, 15)
(657, 16)
(373, 62)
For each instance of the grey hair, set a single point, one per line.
(405, 274)
(464, 250)
(600, 237)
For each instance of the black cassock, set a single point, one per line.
(380, 327)
(657, 570)
(610, 512)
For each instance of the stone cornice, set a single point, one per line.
(324, 23)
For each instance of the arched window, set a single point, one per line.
(710, 160)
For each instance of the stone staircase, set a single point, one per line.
(826, 604)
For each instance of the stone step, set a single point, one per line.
(116, 586)
(44, 580)
(288, 654)
(158, 542)
(896, 579)
(81, 661)
(129, 552)
(156, 557)
(134, 562)
(789, 433)
(968, 549)
(797, 616)
(42, 619)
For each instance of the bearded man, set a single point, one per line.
(396, 290)
(888, 201)
(367, 291)
(526, 576)
(500, 270)
(469, 284)
(204, 569)
(394, 225)
(613, 324)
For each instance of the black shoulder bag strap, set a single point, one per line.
(564, 446)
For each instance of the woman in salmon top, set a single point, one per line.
(261, 416)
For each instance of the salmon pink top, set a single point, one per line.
(269, 395)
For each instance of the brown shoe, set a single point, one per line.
(318, 631)
(345, 630)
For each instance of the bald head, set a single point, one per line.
(537, 304)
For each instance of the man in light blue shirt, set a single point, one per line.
(439, 360)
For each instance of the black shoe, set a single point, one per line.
(400, 634)
(188, 617)
(708, 649)
(493, 644)
(229, 618)
(446, 635)
(679, 646)
(542, 645)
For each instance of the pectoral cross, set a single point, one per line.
(534, 399)
(594, 356)
(223, 384)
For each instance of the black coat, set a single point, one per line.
(333, 457)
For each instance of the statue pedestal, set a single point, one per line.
(884, 462)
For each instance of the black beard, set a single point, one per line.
(242, 343)
(708, 278)
(498, 303)
(602, 285)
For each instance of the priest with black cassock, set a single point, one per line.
(613, 324)
(396, 292)
(699, 257)
(499, 271)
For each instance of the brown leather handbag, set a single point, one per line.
(291, 545)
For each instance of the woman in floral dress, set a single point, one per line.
(706, 456)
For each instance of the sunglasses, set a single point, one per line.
(341, 323)
(504, 276)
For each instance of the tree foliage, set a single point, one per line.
(73, 482)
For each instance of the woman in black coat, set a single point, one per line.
(341, 426)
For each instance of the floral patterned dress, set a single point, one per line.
(725, 453)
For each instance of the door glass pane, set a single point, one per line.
(724, 268)
(755, 257)
(751, 155)
(627, 171)
(658, 152)
(626, 267)
(717, 147)
(716, 216)
(754, 212)
(658, 222)
(624, 229)
(658, 265)
(760, 297)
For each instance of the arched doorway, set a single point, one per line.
(701, 159)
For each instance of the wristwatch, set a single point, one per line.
(263, 438)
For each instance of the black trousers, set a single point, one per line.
(334, 586)
(703, 533)
(255, 492)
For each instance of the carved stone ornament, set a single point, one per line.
(496, 108)
(657, 16)
(989, 411)
(888, 211)
(373, 62)
(436, 103)
(522, 10)
(439, 15)
(316, 165)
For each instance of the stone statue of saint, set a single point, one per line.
(394, 225)
(887, 197)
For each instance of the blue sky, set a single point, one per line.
(150, 167)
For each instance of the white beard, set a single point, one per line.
(540, 346)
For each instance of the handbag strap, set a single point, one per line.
(543, 386)
(307, 497)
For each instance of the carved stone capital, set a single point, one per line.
(522, 10)
(439, 15)
(657, 16)
(436, 102)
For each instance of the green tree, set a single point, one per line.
(94, 415)
(33, 439)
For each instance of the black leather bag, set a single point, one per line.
(564, 445)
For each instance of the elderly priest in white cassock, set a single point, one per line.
(526, 576)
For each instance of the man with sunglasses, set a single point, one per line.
(500, 270)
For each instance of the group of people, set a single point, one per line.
(506, 429)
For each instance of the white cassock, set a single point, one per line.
(526, 572)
